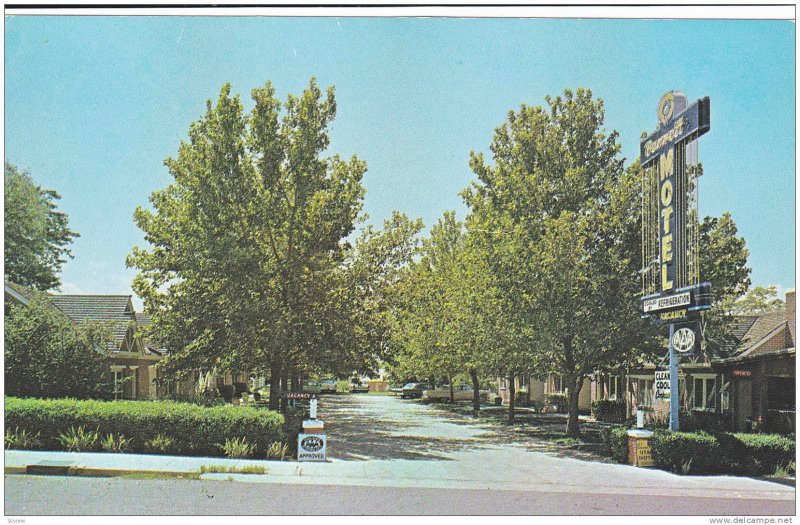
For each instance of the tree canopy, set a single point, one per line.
(47, 355)
(37, 235)
(249, 266)
(560, 216)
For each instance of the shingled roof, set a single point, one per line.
(116, 310)
(763, 325)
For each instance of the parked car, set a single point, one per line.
(359, 387)
(460, 393)
(328, 386)
(312, 387)
(412, 390)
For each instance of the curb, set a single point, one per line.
(37, 470)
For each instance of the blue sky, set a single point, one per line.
(94, 104)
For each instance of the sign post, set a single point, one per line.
(674, 401)
(671, 289)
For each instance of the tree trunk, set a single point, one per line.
(452, 391)
(296, 385)
(284, 387)
(274, 384)
(476, 392)
(512, 399)
(575, 384)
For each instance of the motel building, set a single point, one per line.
(751, 389)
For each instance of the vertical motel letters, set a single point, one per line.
(666, 166)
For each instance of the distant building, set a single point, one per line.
(131, 360)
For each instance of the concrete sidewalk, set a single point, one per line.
(488, 469)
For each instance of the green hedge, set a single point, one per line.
(609, 411)
(616, 441)
(701, 453)
(194, 430)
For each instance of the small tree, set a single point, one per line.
(760, 299)
(47, 355)
(37, 235)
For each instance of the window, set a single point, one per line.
(116, 381)
(644, 392)
(780, 393)
(704, 393)
(616, 390)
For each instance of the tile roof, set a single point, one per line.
(763, 325)
(116, 310)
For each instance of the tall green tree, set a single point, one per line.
(37, 233)
(246, 241)
(561, 216)
(723, 263)
(47, 355)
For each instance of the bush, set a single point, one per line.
(193, 430)
(159, 445)
(79, 440)
(557, 400)
(112, 443)
(701, 453)
(684, 452)
(616, 441)
(609, 411)
(22, 439)
(239, 448)
(278, 450)
(46, 354)
(764, 453)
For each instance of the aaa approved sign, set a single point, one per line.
(311, 447)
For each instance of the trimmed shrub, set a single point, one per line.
(701, 453)
(760, 454)
(557, 400)
(616, 441)
(684, 453)
(194, 430)
(609, 411)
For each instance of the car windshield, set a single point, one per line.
(410, 385)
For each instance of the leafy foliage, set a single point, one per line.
(759, 300)
(239, 448)
(37, 236)
(248, 266)
(560, 218)
(46, 355)
(22, 439)
(159, 444)
(112, 443)
(749, 454)
(177, 428)
(79, 439)
(723, 263)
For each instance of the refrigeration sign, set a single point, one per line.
(667, 302)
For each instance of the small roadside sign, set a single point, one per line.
(311, 447)
(299, 395)
(662, 384)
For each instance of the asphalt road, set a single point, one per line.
(393, 456)
(40, 495)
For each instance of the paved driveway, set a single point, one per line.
(415, 445)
